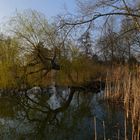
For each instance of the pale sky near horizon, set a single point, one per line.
(49, 7)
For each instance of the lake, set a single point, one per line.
(47, 117)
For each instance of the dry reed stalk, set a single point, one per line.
(118, 134)
(125, 126)
(135, 108)
(104, 130)
(126, 86)
(95, 131)
(113, 85)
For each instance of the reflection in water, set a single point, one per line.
(59, 114)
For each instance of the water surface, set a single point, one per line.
(22, 118)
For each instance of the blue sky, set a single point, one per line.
(49, 7)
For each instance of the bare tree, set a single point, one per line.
(38, 40)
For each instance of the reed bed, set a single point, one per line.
(123, 88)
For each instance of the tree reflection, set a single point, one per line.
(63, 121)
(31, 117)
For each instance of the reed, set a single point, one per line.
(95, 131)
(104, 130)
(123, 87)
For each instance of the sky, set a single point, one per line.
(49, 7)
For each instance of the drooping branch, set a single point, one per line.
(37, 71)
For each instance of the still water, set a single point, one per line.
(47, 117)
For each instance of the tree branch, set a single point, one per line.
(101, 15)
